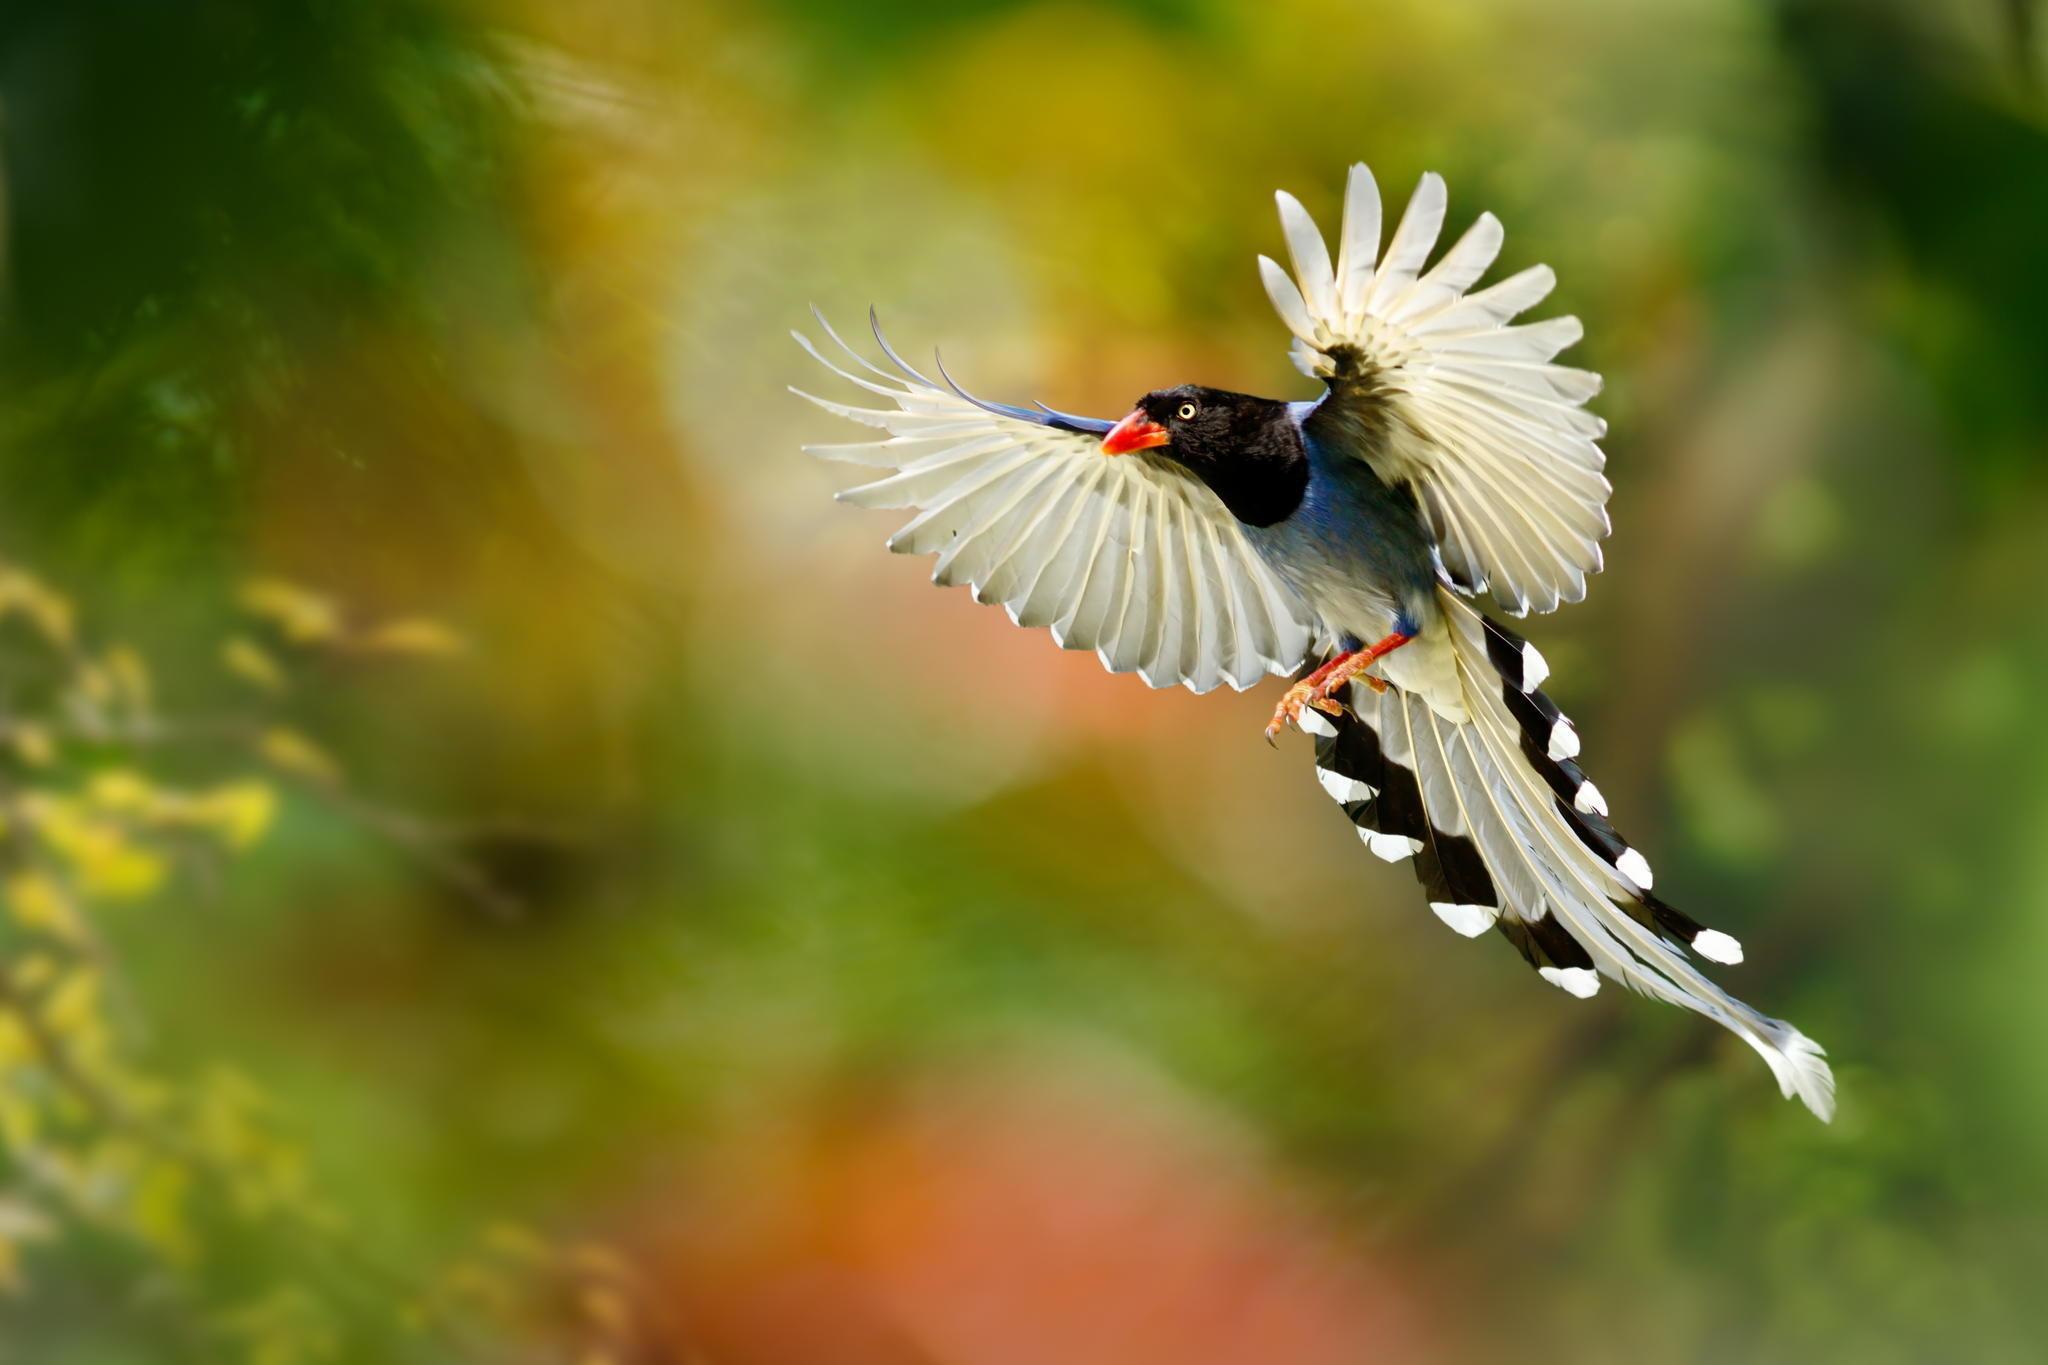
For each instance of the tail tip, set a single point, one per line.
(1583, 982)
(1634, 866)
(1715, 946)
(1803, 1072)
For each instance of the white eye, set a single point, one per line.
(1187, 412)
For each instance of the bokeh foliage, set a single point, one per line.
(741, 952)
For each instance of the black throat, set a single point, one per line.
(1254, 460)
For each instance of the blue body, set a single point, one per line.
(1355, 549)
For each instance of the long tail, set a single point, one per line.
(1506, 833)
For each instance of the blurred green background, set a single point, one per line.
(741, 952)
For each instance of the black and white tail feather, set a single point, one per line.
(1476, 778)
(1506, 832)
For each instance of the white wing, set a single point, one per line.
(1129, 556)
(1458, 404)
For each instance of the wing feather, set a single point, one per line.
(1045, 600)
(1130, 642)
(1477, 417)
(1311, 257)
(1212, 655)
(1359, 242)
(1128, 557)
(1413, 238)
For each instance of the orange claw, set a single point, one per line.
(1320, 688)
(1307, 692)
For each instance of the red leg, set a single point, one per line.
(1315, 679)
(1349, 666)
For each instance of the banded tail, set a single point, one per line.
(1506, 832)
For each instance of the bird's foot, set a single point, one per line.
(1307, 692)
(1319, 690)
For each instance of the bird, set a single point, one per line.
(1212, 537)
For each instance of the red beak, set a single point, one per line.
(1135, 432)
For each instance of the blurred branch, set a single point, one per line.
(86, 820)
(433, 847)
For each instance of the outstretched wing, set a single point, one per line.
(1434, 389)
(1128, 556)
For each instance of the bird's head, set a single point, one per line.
(1246, 449)
(1192, 422)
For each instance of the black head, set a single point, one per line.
(1247, 450)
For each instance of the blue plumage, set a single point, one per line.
(1354, 548)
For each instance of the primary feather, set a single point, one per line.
(1477, 420)
(1131, 558)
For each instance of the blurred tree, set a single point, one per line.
(106, 796)
(209, 204)
(1914, 140)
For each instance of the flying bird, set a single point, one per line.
(1213, 537)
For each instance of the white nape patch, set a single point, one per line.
(1635, 867)
(1583, 982)
(1314, 722)
(1715, 946)
(1391, 848)
(1343, 789)
(1469, 920)
(1564, 740)
(1534, 669)
(1589, 801)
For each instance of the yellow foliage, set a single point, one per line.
(118, 1143)
(94, 683)
(251, 663)
(515, 1242)
(287, 1327)
(20, 1120)
(49, 613)
(73, 1006)
(119, 870)
(262, 1173)
(15, 1047)
(157, 1209)
(595, 1258)
(130, 675)
(19, 1115)
(224, 1114)
(240, 812)
(99, 850)
(20, 1223)
(479, 1285)
(122, 791)
(411, 635)
(300, 614)
(34, 745)
(292, 752)
(606, 1308)
(39, 905)
(33, 971)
